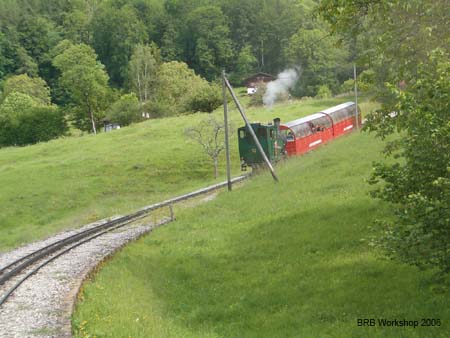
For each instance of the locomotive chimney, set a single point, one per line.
(276, 122)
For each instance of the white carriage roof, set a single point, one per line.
(317, 115)
(338, 107)
(303, 120)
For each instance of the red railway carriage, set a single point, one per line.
(311, 131)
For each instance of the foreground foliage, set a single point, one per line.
(419, 187)
(410, 59)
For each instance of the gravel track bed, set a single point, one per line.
(42, 305)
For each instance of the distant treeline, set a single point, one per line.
(85, 62)
(209, 35)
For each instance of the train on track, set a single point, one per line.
(298, 136)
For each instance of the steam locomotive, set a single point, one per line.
(298, 136)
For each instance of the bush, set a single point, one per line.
(38, 124)
(181, 91)
(35, 87)
(418, 186)
(177, 85)
(323, 92)
(348, 86)
(206, 99)
(23, 120)
(125, 110)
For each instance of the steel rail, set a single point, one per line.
(64, 251)
(81, 237)
(25, 261)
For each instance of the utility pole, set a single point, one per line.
(356, 96)
(262, 55)
(250, 129)
(225, 119)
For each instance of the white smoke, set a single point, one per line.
(285, 80)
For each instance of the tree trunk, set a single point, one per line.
(93, 122)
(215, 167)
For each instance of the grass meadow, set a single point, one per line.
(69, 182)
(268, 260)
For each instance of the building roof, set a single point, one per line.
(260, 74)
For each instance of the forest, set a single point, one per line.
(89, 60)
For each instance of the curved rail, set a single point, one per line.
(14, 268)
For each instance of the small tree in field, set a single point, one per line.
(210, 135)
(86, 81)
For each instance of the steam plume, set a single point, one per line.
(285, 80)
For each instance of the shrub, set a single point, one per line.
(206, 99)
(38, 124)
(35, 87)
(323, 92)
(24, 121)
(125, 110)
(418, 184)
(181, 91)
(348, 86)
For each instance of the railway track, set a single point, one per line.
(23, 268)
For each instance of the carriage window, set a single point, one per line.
(352, 110)
(290, 136)
(302, 130)
(335, 116)
(348, 113)
(242, 133)
(271, 133)
(320, 124)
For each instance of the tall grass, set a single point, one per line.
(268, 260)
(69, 182)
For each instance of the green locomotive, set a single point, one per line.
(270, 139)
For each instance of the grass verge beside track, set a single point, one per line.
(268, 260)
(73, 181)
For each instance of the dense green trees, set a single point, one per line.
(409, 67)
(320, 61)
(36, 88)
(125, 110)
(419, 187)
(25, 120)
(239, 36)
(123, 46)
(143, 71)
(210, 46)
(86, 81)
(115, 33)
(180, 90)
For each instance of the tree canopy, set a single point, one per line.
(33, 87)
(409, 70)
(86, 81)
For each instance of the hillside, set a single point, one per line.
(268, 260)
(69, 182)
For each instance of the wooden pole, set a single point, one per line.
(172, 215)
(356, 96)
(225, 120)
(252, 132)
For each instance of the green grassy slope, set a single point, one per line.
(268, 260)
(69, 182)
